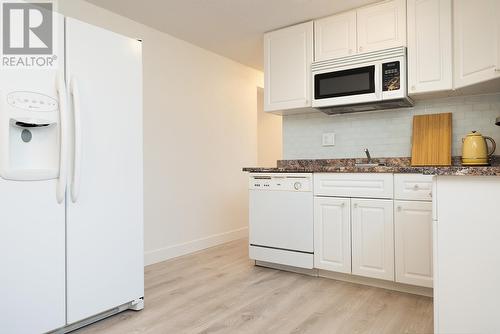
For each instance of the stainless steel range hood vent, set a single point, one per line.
(370, 106)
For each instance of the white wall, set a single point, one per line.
(200, 129)
(386, 133)
(269, 134)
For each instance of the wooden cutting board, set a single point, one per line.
(431, 140)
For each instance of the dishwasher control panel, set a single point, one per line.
(281, 182)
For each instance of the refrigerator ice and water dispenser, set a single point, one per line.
(29, 130)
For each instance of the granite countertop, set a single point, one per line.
(393, 165)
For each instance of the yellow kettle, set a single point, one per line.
(475, 149)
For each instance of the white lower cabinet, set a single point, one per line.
(373, 238)
(413, 238)
(332, 234)
(375, 225)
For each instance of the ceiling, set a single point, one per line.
(231, 28)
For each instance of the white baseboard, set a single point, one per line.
(389, 285)
(166, 253)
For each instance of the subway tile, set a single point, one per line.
(481, 106)
(386, 133)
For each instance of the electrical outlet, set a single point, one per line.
(329, 139)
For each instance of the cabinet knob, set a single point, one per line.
(416, 187)
(400, 208)
(355, 205)
(360, 49)
(342, 205)
(430, 194)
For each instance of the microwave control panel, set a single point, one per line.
(391, 76)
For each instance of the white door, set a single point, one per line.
(413, 238)
(332, 234)
(288, 55)
(32, 221)
(105, 206)
(335, 36)
(382, 26)
(373, 238)
(429, 46)
(32, 257)
(477, 41)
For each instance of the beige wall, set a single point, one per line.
(200, 126)
(269, 134)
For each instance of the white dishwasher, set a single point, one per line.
(281, 219)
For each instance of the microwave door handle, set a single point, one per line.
(378, 82)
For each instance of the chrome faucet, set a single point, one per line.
(370, 162)
(368, 156)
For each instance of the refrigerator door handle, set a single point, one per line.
(63, 139)
(77, 149)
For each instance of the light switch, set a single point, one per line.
(329, 139)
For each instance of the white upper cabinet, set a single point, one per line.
(288, 54)
(332, 234)
(430, 66)
(381, 26)
(477, 41)
(413, 236)
(373, 238)
(366, 29)
(335, 36)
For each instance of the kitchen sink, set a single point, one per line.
(370, 165)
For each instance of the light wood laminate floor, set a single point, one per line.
(219, 290)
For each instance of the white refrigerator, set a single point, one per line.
(71, 184)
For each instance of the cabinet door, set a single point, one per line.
(382, 26)
(335, 36)
(429, 46)
(476, 27)
(413, 237)
(288, 55)
(332, 234)
(373, 238)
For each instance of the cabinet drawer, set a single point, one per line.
(413, 187)
(373, 185)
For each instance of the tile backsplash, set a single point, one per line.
(386, 133)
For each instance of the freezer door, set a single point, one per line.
(105, 210)
(32, 222)
(31, 257)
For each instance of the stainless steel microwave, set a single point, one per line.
(370, 81)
